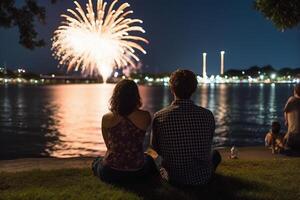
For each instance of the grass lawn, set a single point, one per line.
(236, 179)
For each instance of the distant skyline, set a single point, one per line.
(179, 32)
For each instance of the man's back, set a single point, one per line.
(292, 110)
(292, 114)
(182, 135)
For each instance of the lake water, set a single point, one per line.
(64, 120)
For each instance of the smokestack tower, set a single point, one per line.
(204, 74)
(222, 62)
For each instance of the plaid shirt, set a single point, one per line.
(182, 135)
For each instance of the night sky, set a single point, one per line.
(178, 31)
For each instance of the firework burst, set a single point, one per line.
(98, 40)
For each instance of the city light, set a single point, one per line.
(273, 76)
(262, 77)
(20, 71)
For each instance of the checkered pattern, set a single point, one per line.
(182, 135)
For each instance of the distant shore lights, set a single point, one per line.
(222, 62)
(204, 74)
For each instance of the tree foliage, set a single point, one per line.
(23, 18)
(267, 70)
(285, 14)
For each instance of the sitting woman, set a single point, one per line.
(123, 131)
(273, 139)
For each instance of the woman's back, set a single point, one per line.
(123, 131)
(124, 137)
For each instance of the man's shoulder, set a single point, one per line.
(202, 109)
(163, 111)
(194, 109)
(293, 99)
(292, 103)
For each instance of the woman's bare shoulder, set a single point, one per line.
(145, 114)
(109, 120)
(141, 119)
(108, 116)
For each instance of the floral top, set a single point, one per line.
(125, 146)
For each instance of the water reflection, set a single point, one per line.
(79, 113)
(215, 98)
(154, 98)
(222, 116)
(272, 107)
(21, 123)
(65, 120)
(203, 98)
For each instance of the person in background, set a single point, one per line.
(273, 138)
(123, 131)
(292, 120)
(182, 134)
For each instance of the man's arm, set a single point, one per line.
(286, 110)
(286, 119)
(213, 125)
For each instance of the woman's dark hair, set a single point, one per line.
(125, 98)
(183, 83)
(275, 127)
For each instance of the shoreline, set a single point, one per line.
(46, 164)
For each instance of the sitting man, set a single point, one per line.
(182, 134)
(292, 120)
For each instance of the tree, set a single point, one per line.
(296, 71)
(285, 14)
(253, 71)
(285, 71)
(268, 70)
(24, 18)
(233, 72)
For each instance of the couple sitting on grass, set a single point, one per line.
(182, 135)
(291, 140)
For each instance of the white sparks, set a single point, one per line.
(99, 40)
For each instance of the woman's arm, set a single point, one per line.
(104, 130)
(286, 119)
